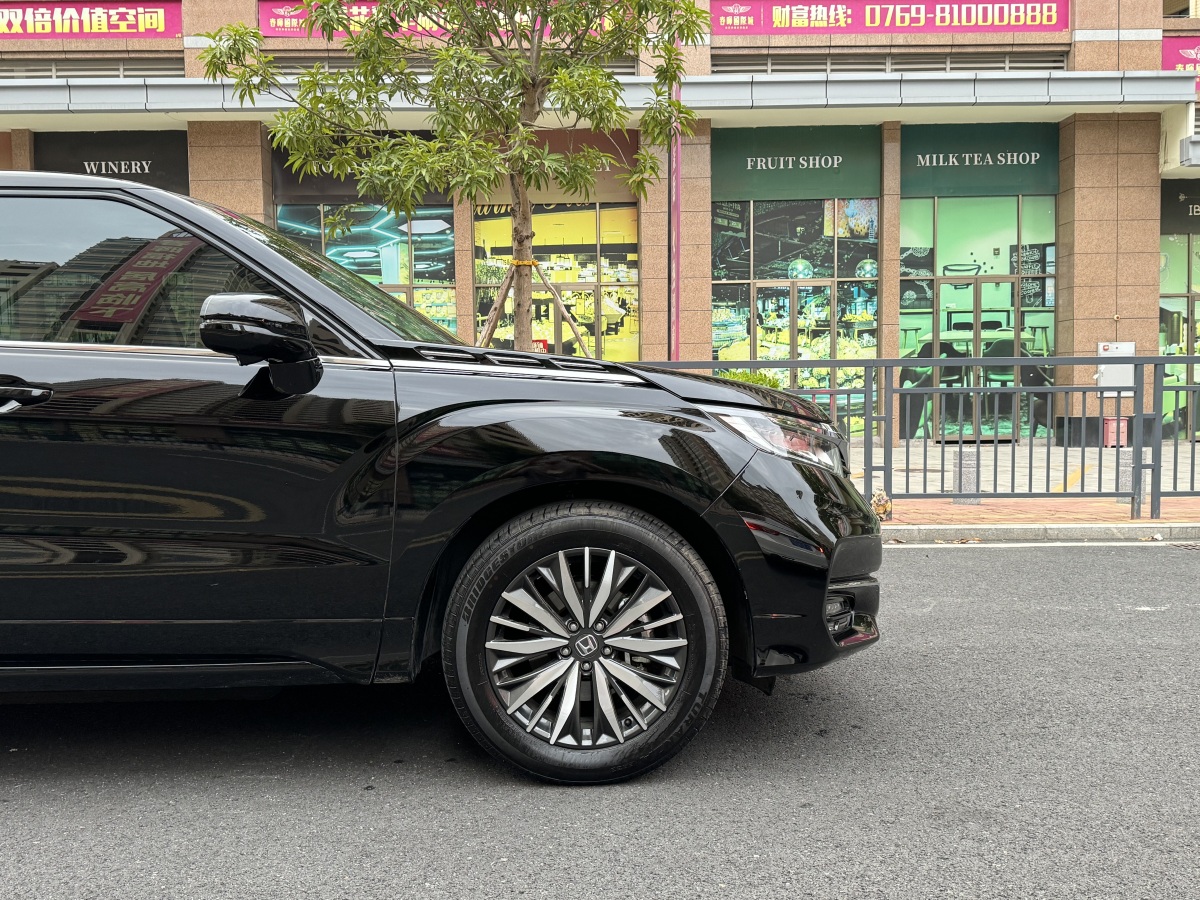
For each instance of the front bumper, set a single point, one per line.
(805, 544)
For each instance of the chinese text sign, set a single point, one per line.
(865, 17)
(91, 21)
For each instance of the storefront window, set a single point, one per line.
(731, 241)
(793, 239)
(814, 290)
(731, 321)
(410, 258)
(991, 262)
(974, 235)
(591, 250)
(977, 280)
(1179, 315)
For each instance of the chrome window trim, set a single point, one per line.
(515, 371)
(157, 350)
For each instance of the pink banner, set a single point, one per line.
(865, 17)
(94, 21)
(277, 19)
(1182, 54)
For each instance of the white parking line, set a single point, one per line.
(1132, 542)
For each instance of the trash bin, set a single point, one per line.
(1115, 426)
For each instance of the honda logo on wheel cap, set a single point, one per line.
(587, 645)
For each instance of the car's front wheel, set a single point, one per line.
(585, 642)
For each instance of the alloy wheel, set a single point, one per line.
(586, 648)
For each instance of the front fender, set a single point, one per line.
(473, 464)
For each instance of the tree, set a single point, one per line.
(495, 75)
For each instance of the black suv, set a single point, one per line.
(229, 462)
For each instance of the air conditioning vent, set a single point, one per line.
(447, 354)
(582, 365)
(513, 359)
(736, 63)
(164, 66)
(292, 64)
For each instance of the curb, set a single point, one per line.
(1142, 531)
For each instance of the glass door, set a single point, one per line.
(773, 330)
(816, 331)
(794, 320)
(979, 318)
(550, 327)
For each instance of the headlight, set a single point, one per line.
(808, 442)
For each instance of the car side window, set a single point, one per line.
(93, 270)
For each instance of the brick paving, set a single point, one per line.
(1064, 511)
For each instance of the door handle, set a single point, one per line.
(14, 395)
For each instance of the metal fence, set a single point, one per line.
(1048, 427)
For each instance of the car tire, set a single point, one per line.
(585, 643)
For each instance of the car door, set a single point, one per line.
(151, 508)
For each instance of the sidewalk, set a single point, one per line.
(1066, 519)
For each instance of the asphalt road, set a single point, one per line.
(1028, 727)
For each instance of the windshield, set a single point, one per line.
(401, 318)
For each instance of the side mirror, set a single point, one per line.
(257, 327)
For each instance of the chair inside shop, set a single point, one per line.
(999, 375)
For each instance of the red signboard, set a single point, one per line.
(124, 297)
(871, 17)
(284, 19)
(1182, 54)
(93, 21)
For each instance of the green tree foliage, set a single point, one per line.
(494, 76)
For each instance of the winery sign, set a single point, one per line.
(156, 158)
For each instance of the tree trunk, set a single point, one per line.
(522, 233)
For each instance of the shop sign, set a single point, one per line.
(869, 17)
(1180, 209)
(156, 158)
(125, 296)
(277, 19)
(995, 160)
(803, 163)
(94, 21)
(1182, 54)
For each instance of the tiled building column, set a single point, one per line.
(696, 246)
(695, 250)
(229, 163)
(21, 149)
(464, 271)
(652, 268)
(1108, 236)
(1111, 35)
(888, 314)
(200, 16)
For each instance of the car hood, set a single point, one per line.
(723, 391)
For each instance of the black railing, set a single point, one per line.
(1007, 427)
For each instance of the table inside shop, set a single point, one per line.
(987, 337)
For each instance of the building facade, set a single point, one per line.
(867, 179)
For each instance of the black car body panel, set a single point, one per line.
(162, 524)
(799, 533)
(149, 512)
(724, 392)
